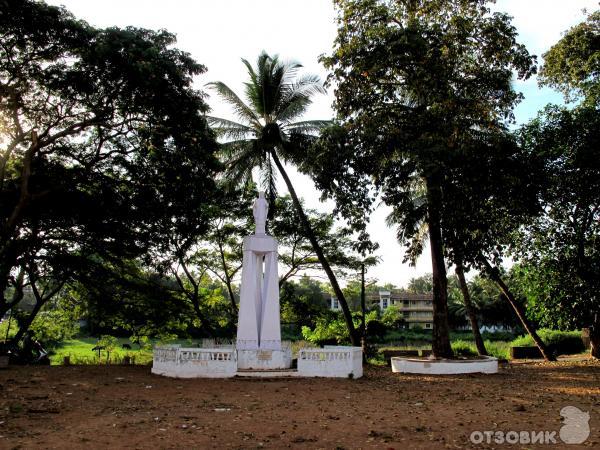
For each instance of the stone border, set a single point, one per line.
(486, 364)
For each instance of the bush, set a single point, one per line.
(560, 342)
(376, 329)
(498, 335)
(392, 317)
(464, 348)
(327, 332)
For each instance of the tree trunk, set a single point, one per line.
(518, 308)
(354, 337)
(595, 338)
(441, 331)
(363, 309)
(470, 310)
(203, 320)
(24, 326)
(228, 283)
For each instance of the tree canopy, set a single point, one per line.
(105, 151)
(419, 85)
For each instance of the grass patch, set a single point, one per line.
(79, 351)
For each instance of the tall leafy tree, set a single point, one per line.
(104, 148)
(267, 132)
(559, 254)
(572, 65)
(416, 82)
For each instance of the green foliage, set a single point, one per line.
(424, 88)
(302, 302)
(327, 331)
(463, 348)
(560, 342)
(392, 317)
(559, 254)
(375, 329)
(79, 351)
(52, 327)
(572, 65)
(332, 329)
(108, 154)
(108, 342)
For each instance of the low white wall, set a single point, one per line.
(264, 359)
(172, 361)
(331, 361)
(444, 366)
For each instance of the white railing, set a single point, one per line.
(331, 361)
(194, 362)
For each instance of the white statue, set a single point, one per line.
(259, 317)
(260, 210)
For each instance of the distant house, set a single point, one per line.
(334, 303)
(416, 309)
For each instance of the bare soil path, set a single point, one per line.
(96, 407)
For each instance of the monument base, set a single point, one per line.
(226, 362)
(264, 359)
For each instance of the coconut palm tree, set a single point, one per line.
(267, 131)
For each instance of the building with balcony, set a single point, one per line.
(416, 309)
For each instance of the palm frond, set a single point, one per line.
(241, 109)
(228, 129)
(307, 126)
(297, 97)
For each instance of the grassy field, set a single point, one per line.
(79, 351)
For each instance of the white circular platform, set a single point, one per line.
(483, 364)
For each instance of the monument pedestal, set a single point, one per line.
(264, 359)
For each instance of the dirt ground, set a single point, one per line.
(126, 407)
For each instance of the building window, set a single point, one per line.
(384, 303)
(428, 325)
(335, 304)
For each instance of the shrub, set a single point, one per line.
(464, 348)
(560, 342)
(376, 329)
(498, 335)
(327, 332)
(498, 349)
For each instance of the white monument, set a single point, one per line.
(258, 351)
(259, 325)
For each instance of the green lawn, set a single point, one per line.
(79, 350)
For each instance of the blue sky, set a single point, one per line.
(218, 33)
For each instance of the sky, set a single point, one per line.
(217, 33)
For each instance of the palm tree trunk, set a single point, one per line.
(354, 337)
(519, 310)
(460, 273)
(440, 344)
